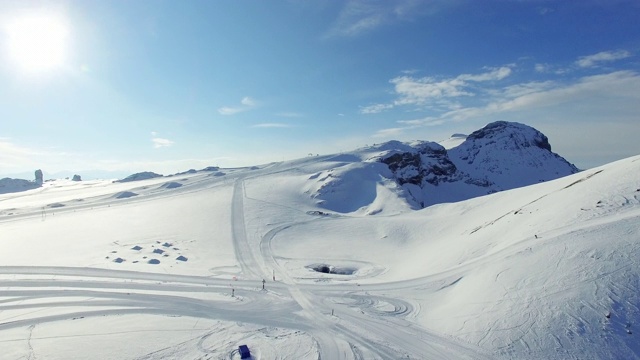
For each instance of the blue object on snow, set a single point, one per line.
(244, 352)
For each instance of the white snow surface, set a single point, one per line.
(547, 271)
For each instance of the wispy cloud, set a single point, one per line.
(12, 154)
(418, 91)
(271, 125)
(290, 114)
(160, 142)
(389, 133)
(602, 57)
(537, 95)
(358, 17)
(375, 108)
(246, 104)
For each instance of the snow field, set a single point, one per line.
(525, 273)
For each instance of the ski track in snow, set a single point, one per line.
(345, 320)
(49, 294)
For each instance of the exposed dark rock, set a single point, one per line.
(8, 185)
(39, 177)
(76, 178)
(428, 163)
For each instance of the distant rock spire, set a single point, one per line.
(39, 177)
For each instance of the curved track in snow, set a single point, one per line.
(345, 321)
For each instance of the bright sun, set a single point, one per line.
(37, 42)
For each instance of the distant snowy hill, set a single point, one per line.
(500, 156)
(145, 175)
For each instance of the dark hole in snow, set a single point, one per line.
(153, 261)
(330, 269)
(118, 260)
(181, 258)
(137, 247)
(158, 251)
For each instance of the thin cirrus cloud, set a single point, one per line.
(602, 57)
(271, 125)
(246, 104)
(359, 17)
(375, 108)
(290, 114)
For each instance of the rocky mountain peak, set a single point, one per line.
(500, 156)
(515, 134)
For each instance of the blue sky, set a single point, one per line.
(167, 86)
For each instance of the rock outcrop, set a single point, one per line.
(39, 177)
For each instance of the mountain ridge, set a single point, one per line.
(500, 156)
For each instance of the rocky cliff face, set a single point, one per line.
(426, 163)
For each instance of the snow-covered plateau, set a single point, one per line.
(491, 248)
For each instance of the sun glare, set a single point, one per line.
(37, 42)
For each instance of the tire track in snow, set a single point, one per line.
(243, 252)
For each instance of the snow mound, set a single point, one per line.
(139, 176)
(355, 186)
(124, 195)
(171, 185)
(453, 141)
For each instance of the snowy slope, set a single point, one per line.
(176, 269)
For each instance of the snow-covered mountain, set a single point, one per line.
(500, 156)
(192, 266)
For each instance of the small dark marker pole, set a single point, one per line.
(263, 281)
